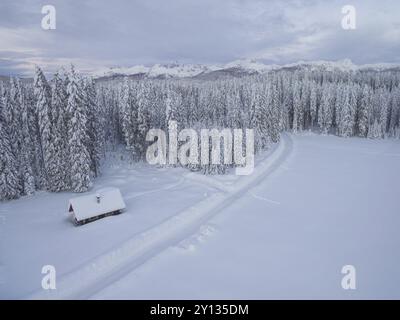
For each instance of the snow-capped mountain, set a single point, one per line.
(251, 65)
(172, 70)
(235, 68)
(176, 70)
(339, 65)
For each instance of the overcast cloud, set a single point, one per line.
(94, 34)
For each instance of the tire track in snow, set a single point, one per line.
(144, 193)
(264, 199)
(112, 266)
(208, 182)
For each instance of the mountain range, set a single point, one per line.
(236, 68)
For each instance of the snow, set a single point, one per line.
(314, 204)
(176, 70)
(85, 281)
(158, 70)
(87, 206)
(120, 70)
(342, 65)
(250, 65)
(38, 230)
(330, 203)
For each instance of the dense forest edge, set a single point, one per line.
(54, 132)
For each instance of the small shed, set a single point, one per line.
(103, 203)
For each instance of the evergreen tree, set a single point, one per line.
(126, 115)
(79, 157)
(347, 111)
(297, 108)
(395, 113)
(27, 151)
(91, 108)
(383, 112)
(10, 187)
(364, 112)
(13, 115)
(261, 118)
(313, 105)
(43, 105)
(274, 116)
(143, 120)
(59, 164)
(325, 110)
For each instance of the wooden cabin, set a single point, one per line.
(97, 205)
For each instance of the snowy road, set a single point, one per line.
(333, 202)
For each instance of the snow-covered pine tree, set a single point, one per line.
(100, 124)
(297, 108)
(79, 157)
(43, 105)
(340, 97)
(313, 105)
(395, 113)
(325, 111)
(288, 104)
(27, 152)
(261, 118)
(383, 112)
(235, 112)
(347, 111)
(374, 126)
(127, 122)
(12, 114)
(274, 116)
(10, 187)
(374, 130)
(143, 120)
(113, 103)
(305, 105)
(31, 127)
(157, 108)
(90, 99)
(364, 110)
(354, 94)
(59, 176)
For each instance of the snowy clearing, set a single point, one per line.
(38, 230)
(313, 205)
(333, 202)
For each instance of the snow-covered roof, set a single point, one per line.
(87, 206)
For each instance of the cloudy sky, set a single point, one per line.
(99, 33)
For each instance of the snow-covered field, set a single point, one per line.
(314, 204)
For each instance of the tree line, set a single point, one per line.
(54, 132)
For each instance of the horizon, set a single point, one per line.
(102, 70)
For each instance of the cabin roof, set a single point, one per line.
(86, 206)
